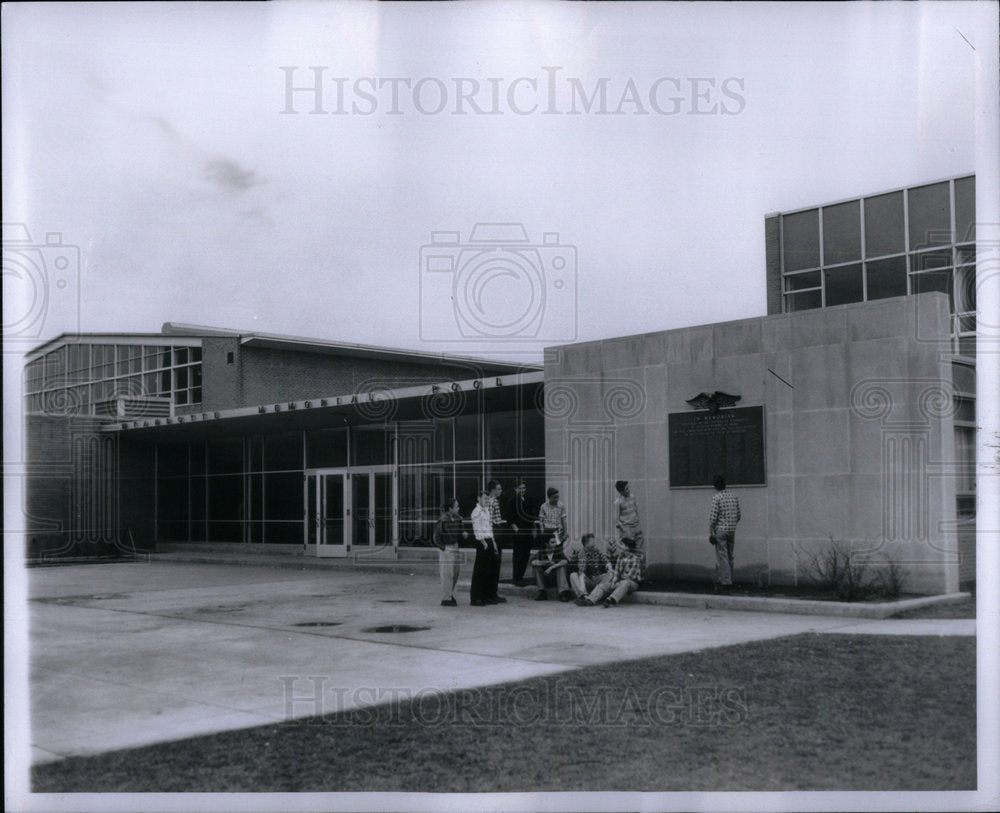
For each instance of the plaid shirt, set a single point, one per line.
(628, 567)
(551, 515)
(590, 561)
(725, 512)
(495, 516)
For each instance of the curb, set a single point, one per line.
(794, 606)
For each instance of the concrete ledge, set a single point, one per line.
(854, 609)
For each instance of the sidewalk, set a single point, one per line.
(130, 654)
(425, 563)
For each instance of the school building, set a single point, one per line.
(846, 413)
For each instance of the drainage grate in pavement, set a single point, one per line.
(221, 608)
(318, 624)
(74, 599)
(396, 628)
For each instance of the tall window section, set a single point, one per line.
(903, 242)
(86, 379)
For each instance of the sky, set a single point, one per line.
(164, 143)
(173, 162)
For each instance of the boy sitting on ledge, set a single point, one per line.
(624, 579)
(550, 566)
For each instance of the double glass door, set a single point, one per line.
(349, 511)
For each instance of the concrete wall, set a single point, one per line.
(858, 429)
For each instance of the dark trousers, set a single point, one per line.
(484, 571)
(497, 559)
(521, 544)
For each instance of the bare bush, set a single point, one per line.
(851, 573)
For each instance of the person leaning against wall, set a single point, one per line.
(627, 517)
(552, 517)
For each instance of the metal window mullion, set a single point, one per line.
(156, 493)
(822, 257)
(190, 504)
(781, 260)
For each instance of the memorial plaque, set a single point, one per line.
(729, 442)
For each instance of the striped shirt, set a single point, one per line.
(725, 512)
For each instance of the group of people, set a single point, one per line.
(586, 573)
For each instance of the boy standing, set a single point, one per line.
(722, 520)
(447, 534)
(627, 515)
(486, 553)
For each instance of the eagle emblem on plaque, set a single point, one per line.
(714, 402)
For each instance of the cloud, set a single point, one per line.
(230, 176)
(227, 175)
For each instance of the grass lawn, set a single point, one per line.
(806, 712)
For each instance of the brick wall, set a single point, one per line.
(260, 375)
(220, 381)
(271, 376)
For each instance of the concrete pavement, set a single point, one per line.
(135, 653)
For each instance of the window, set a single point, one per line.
(886, 278)
(894, 244)
(842, 233)
(884, 225)
(93, 373)
(930, 215)
(283, 452)
(844, 285)
(965, 209)
(326, 448)
(800, 240)
(371, 445)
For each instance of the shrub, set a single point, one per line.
(852, 573)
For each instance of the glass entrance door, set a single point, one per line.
(373, 508)
(349, 510)
(326, 513)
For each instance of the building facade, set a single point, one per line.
(198, 435)
(846, 414)
(896, 243)
(842, 426)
